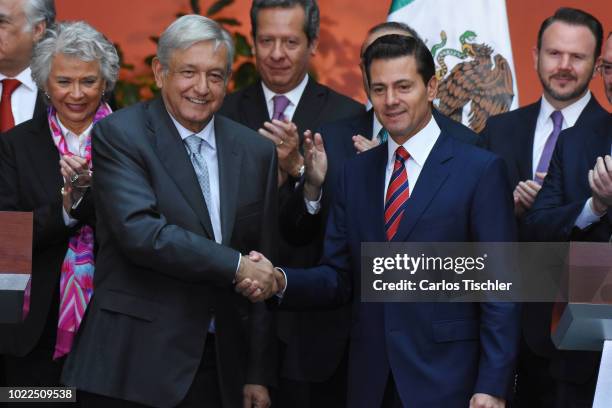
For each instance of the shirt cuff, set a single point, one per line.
(313, 207)
(587, 215)
(68, 220)
(237, 267)
(280, 294)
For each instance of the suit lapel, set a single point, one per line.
(435, 171)
(525, 133)
(173, 155)
(228, 156)
(254, 107)
(309, 108)
(599, 143)
(44, 153)
(374, 188)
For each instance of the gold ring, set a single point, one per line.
(281, 142)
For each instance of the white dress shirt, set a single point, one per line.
(76, 146)
(23, 98)
(376, 127)
(418, 147)
(209, 152)
(544, 124)
(293, 95)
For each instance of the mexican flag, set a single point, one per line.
(470, 43)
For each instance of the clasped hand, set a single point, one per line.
(257, 279)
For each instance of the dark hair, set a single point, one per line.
(394, 25)
(574, 16)
(395, 46)
(311, 11)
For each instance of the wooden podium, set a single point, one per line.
(585, 321)
(15, 262)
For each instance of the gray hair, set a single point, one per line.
(37, 11)
(75, 39)
(189, 30)
(311, 11)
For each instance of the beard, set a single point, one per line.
(569, 94)
(566, 95)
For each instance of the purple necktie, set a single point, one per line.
(557, 118)
(280, 104)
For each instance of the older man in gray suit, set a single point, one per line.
(175, 212)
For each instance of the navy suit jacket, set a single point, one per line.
(325, 333)
(553, 215)
(440, 354)
(510, 135)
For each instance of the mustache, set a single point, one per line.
(563, 75)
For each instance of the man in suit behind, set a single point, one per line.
(568, 45)
(282, 105)
(165, 327)
(407, 354)
(286, 101)
(574, 205)
(24, 24)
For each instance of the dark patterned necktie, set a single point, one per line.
(398, 193)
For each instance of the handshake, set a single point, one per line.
(257, 279)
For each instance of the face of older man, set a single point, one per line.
(193, 88)
(75, 88)
(282, 52)
(565, 62)
(16, 42)
(606, 67)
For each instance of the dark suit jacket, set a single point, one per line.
(553, 215)
(30, 180)
(160, 275)
(439, 354)
(321, 336)
(510, 135)
(318, 105)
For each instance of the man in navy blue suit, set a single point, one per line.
(568, 45)
(413, 354)
(574, 205)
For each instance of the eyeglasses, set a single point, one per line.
(605, 68)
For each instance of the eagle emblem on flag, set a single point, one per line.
(482, 78)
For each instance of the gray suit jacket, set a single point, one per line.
(160, 276)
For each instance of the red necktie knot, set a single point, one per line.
(7, 120)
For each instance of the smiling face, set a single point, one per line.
(282, 52)
(400, 98)
(565, 62)
(16, 43)
(75, 90)
(193, 87)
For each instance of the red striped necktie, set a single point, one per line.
(397, 193)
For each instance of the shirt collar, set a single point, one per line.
(25, 77)
(293, 95)
(376, 127)
(67, 132)
(418, 146)
(570, 113)
(207, 134)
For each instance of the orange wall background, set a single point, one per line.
(344, 23)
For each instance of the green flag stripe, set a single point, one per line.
(398, 4)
